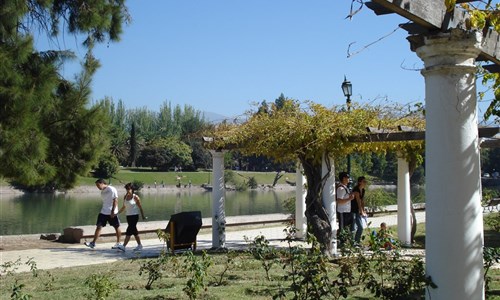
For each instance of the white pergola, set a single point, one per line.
(487, 135)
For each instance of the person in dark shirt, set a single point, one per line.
(358, 208)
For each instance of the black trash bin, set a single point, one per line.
(183, 229)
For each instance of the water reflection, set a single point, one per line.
(44, 213)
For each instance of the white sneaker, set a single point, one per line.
(138, 248)
(91, 245)
(118, 246)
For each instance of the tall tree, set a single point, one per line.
(133, 146)
(118, 134)
(48, 133)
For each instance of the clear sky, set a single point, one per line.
(221, 56)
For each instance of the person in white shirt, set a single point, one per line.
(108, 214)
(132, 205)
(344, 198)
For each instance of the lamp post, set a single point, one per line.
(347, 90)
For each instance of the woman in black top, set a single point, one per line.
(358, 208)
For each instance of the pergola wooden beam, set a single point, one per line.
(490, 143)
(427, 13)
(405, 133)
(432, 15)
(492, 68)
(378, 135)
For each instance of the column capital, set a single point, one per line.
(217, 153)
(457, 48)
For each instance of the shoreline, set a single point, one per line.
(91, 189)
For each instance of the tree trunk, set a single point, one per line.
(316, 214)
(277, 177)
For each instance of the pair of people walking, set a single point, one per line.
(109, 214)
(351, 207)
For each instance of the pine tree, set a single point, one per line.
(48, 133)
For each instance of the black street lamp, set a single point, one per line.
(347, 90)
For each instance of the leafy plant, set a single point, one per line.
(10, 267)
(163, 236)
(198, 268)
(308, 271)
(488, 194)
(392, 277)
(493, 221)
(33, 268)
(154, 268)
(101, 285)
(48, 282)
(17, 292)
(230, 261)
(266, 254)
(490, 257)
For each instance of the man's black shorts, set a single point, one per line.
(102, 219)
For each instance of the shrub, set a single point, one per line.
(101, 285)
(376, 198)
(138, 185)
(252, 182)
(107, 167)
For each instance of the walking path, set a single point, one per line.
(79, 255)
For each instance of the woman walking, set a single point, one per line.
(132, 204)
(358, 208)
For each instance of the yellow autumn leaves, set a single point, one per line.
(308, 130)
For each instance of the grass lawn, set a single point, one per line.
(233, 275)
(149, 177)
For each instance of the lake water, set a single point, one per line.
(47, 213)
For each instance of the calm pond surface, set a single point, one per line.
(46, 213)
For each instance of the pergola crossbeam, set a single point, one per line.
(433, 15)
(377, 135)
(408, 134)
(490, 143)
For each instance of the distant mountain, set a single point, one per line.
(214, 117)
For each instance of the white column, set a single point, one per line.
(404, 204)
(328, 195)
(454, 223)
(300, 203)
(218, 199)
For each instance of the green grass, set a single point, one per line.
(246, 282)
(149, 177)
(244, 279)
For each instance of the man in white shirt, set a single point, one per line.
(344, 198)
(108, 214)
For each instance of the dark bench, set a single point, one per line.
(182, 229)
(492, 204)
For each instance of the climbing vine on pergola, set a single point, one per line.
(308, 131)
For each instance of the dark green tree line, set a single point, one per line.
(160, 140)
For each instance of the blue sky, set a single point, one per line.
(221, 56)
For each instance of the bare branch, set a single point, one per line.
(349, 54)
(414, 68)
(352, 13)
